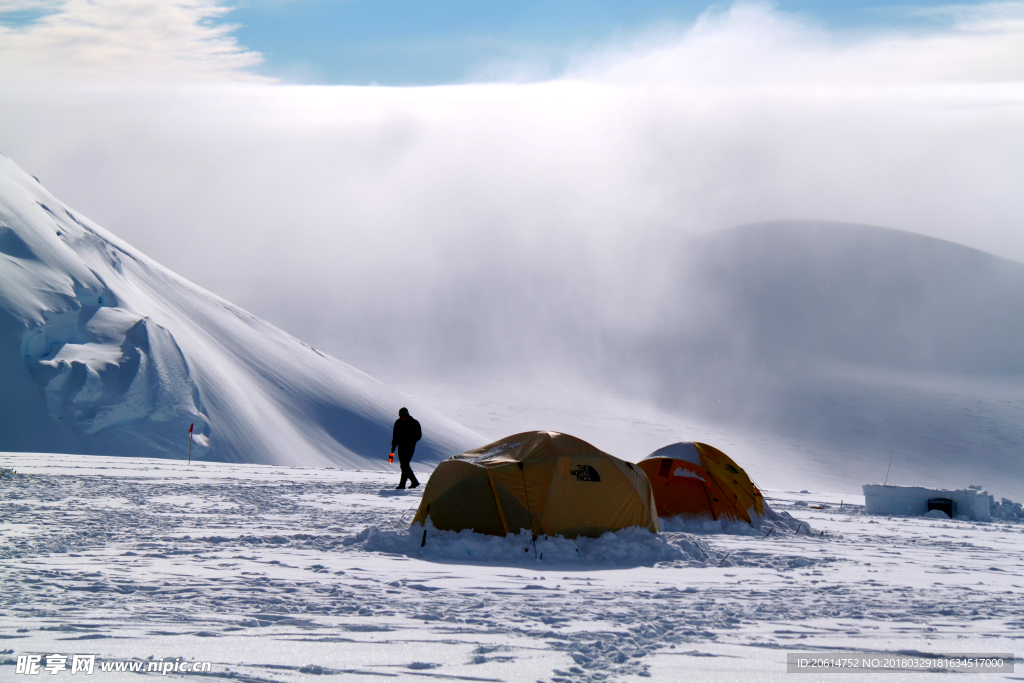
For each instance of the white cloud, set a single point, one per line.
(347, 213)
(751, 45)
(123, 40)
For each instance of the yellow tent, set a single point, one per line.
(547, 482)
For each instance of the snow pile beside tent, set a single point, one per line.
(633, 546)
(778, 521)
(102, 350)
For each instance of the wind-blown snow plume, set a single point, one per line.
(103, 350)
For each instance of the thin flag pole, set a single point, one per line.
(891, 453)
(190, 442)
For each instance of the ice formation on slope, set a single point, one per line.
(102, 350)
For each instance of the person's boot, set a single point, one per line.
(399, 487)
(414, 484)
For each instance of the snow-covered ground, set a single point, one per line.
(289, 574)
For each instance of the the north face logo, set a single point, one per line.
(585, 473)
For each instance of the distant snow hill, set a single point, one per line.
(104, 351)
(787, 299)
(866, 295)
(859, 342)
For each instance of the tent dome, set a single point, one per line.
(692, 478)
(548, 482)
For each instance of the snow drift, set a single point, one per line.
(104, 351)
(632, 546)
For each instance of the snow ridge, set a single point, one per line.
(104, 351)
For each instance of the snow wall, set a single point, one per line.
(880, 499)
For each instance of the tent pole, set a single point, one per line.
(497, 503)
(694, 541)
(710, 504)
(528, 510)
(765, 498)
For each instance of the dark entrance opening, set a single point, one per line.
(945, 504)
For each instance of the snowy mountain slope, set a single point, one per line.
(867, 295)
(789, 297)
(102, 350)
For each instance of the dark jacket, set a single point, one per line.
(406, 433)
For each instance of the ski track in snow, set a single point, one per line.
(289, 574)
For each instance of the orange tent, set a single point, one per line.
(697, 479)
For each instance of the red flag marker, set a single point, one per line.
(190, 442)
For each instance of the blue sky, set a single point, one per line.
(427, 42)
(422, 42)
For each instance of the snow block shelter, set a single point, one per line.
(547, 482)
(696, 479)
(880, 499)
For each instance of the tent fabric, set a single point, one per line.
(548, 482)
(698, 479)
(685, 450)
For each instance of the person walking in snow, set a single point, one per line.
(405, 435)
